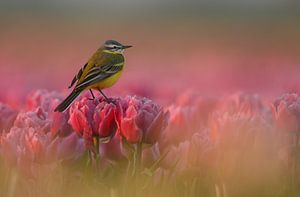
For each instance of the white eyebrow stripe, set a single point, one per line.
(112, 46)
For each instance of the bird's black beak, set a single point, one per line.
(126, 46)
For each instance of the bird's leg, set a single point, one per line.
(104, 95)
(92, 95)
(108, 100)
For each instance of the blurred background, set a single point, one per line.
(213, 47)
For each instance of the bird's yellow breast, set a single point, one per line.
(108, 82)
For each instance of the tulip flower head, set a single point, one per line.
(95, 118)
(7, 117)
(142, 120)
(287, 112)
(48, 101)
(29, 143)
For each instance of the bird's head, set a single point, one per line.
(112, 46)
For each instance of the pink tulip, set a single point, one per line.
(29, 142)
(113, 151)
(287, 112)
(67, 148)
(33, 119)
(190, 114)
(287, 119)
(150, 155)
(142, 120)
(7, 117)
(242, 102)
(48, 101)
(27, 139)
(44, 99)
(240, 121)
(194, 155)
(181, 125)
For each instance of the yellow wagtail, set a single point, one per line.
(102, 70)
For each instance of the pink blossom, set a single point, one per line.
(150, 155)
(29, 142)
(287, 119)
(7, 117)
(181, 125)
(203, 106)
(48, 101)
(195, 155)
(67, 148)
(287, 112)
(33, 119)
(94, 118)
(247, 103)
(44, 99)
(142, 120)
(113, 150)
(189, 115)
(239, 121)
(233, 129)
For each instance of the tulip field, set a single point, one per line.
(236, 145)
(208, 103)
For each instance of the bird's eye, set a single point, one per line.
(115, 47)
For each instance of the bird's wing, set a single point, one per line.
(98, 73)
(77, 77)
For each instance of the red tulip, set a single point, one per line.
(95, 118)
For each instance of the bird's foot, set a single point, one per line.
(111, 100)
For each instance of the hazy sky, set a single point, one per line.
(141, 3)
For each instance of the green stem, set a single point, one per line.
(96, 154)
(139, 156)
(137, 159)
(137, 167)
(296, 160)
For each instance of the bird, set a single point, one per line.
(101, 71)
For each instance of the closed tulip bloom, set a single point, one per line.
(94, 119)
(142, 120)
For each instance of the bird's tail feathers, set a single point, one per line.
(68, 101)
